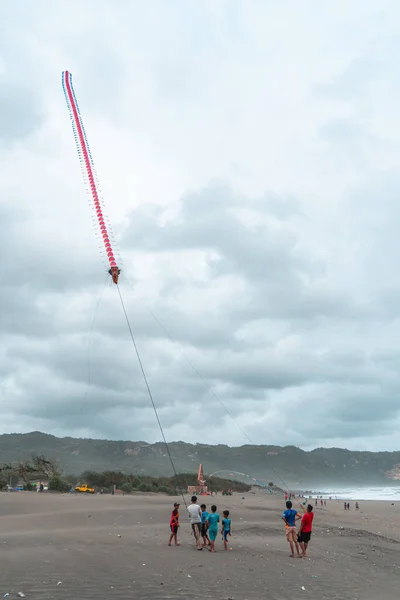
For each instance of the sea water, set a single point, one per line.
(373, 493)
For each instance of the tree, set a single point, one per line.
(126, 487)
(7, 476)
(44, 466)
(145, 487)
(114, 478)
(24, 470)
(58, 484)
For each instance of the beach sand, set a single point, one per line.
(68, 547)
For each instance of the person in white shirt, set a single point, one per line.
(195, 520)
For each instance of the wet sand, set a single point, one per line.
(68, 547)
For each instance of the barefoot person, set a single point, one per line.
(290, 516)
(204, 534)
(195, 521)
(212, 522)
(305, 530)
(174, 525)
(226, 528)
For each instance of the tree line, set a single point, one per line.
(40, 468)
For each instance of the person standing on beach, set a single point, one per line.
(290, 516)
(306, 530)
(195, 521)
(174, 525)
(212, 521)
(226, 528)
(204, 516)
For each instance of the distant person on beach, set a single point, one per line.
(195, 520)
(174, 525)
(212, 522)
(357, 506)
(204, 534)
(290, 516)
(305, 530)
(345, 506)
(226, 528)
(348, 506)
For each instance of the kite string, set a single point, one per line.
(149, 392)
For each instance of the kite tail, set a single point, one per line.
(88, 170)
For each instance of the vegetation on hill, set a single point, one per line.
(145, 483)
(291, 465)
(39, 468)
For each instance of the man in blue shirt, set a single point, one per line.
(290, 516)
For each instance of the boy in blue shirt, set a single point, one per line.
(290, 516)
(226, 528)
(204, 517)
(212, 522)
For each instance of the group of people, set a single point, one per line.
(204, 525)
(347, 506)
(298, 539)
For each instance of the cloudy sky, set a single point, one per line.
(249, 157)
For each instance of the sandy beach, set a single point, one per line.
(67, 546)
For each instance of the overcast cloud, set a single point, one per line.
(249, 157)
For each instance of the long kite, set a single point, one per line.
(89, 174)
(88, 169)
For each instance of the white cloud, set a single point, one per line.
(248, 156)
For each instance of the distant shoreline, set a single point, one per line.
(377, 493)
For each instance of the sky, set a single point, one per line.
(249, 157)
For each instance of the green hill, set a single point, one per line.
(297, 468)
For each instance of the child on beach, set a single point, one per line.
(204, 516)
(226, 528)
(174, 525)
(212, 522)
(306, 530)
(290, 516)
(194, 511)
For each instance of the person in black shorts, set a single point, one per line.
(305, 530)
(204, 534)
